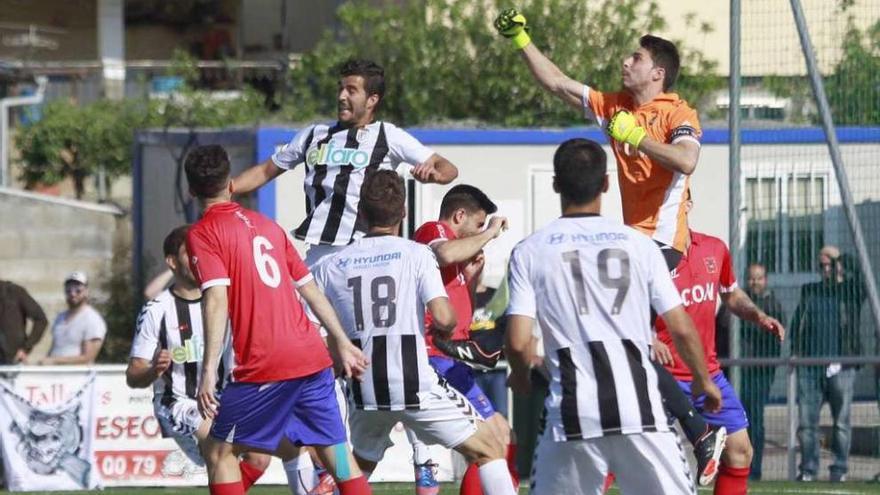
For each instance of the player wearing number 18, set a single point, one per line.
(282, 394)
(590, 282)
(381, 285)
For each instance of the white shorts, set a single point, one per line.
(180, 421)
(445, 418)
(642, 463)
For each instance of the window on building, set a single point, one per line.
(785, 226)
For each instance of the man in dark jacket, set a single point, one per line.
(824, 325)
(16, 307)
(757, 380)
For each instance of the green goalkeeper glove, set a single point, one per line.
(511, 24)
(624, 128)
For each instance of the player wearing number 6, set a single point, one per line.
(281, 395)
(590, 282)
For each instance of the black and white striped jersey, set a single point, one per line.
(337, 160)
(380, 287)
(173, 323)
(590, 283)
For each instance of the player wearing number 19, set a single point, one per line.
(381, 285)
(589, 282)
(281, 395)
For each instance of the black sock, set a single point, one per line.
(679, 406)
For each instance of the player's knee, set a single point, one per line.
(215, 452)
(738, 452)
(258, 461)
(482, 447)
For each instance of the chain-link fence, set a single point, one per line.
(794, 239)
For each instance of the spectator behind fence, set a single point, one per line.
(16, 307)
(819, 329)
(756, 380)
(77, 333)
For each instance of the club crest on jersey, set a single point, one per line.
(711, 265)
(328, 154)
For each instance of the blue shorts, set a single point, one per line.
(461, 377)
(732, 414)
(259, 415)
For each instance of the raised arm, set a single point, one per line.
(464, 249)
(251, 179)
(511, 24)
(435, 170)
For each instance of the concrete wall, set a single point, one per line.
(44, 238)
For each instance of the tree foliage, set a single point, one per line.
(854, 87)
(444, 61)
(75, 141)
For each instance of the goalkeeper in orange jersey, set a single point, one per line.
(655, 138)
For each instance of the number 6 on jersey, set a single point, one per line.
(266, 265)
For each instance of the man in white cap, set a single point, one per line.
(77, 334)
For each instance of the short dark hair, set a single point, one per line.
(382, 199)
(665, 55)
(373, 74)
(207, 170)
(174, 240)
(579, 168)
(468, 197)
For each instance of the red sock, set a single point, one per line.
(609, 480)
(511, 465)
(732, 481)
(234, 488)
(354, 486)
(470, 483)
(249, 474)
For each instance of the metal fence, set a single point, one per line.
(810, 217)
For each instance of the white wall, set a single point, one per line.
(518, 178)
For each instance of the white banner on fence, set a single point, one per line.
(48, 446)
(128, 446)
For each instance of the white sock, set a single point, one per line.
(421, 454)
(300, 474)
(495, 478)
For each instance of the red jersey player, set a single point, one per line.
(282, 394)
(457, 239)
(704, 275)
